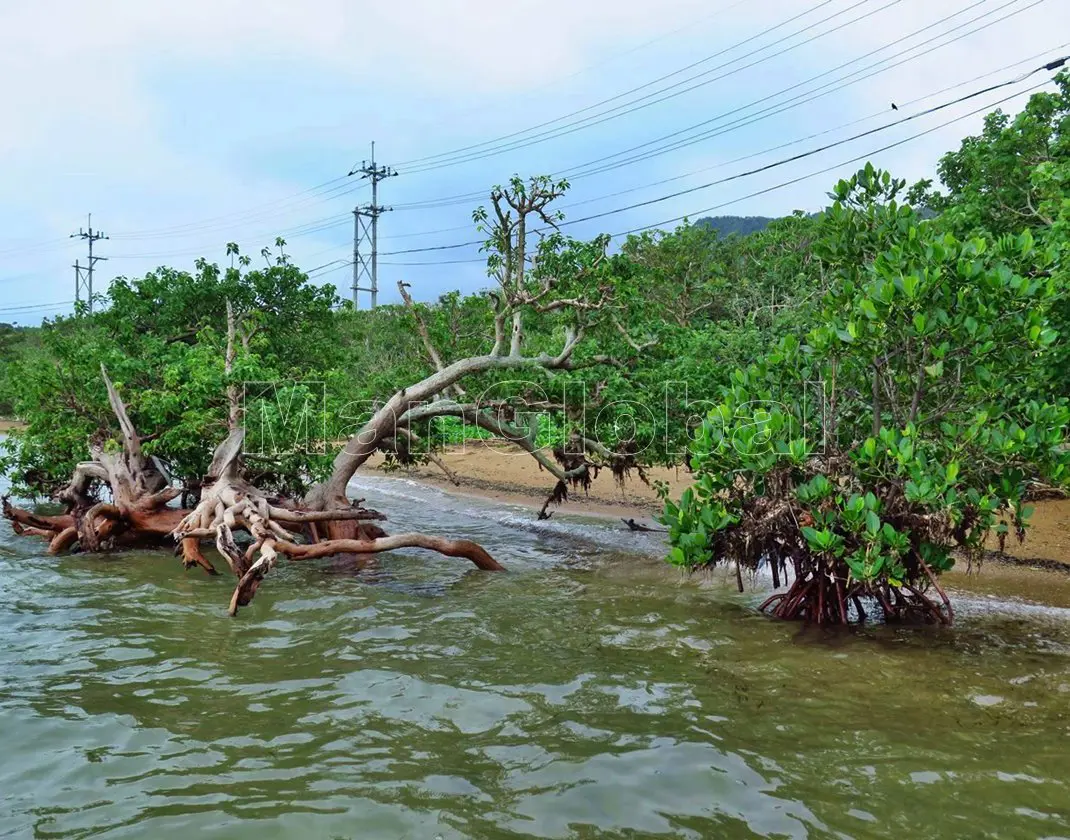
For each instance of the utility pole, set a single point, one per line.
(366, 232)
(83, 276)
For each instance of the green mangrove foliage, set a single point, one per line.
(921, 410)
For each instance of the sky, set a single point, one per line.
(182, 127)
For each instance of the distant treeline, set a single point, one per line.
(741, 225)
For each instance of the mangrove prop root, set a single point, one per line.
(939, 589)
(822, 598)
(773, 599)
(63, 540)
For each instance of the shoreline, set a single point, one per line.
(499, 473)
(1017, 575)
(7, 425)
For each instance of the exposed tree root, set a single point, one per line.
(465, 549)
(139, 514)
(21, 518)
(190, 549)
(229, 504)
(63, 540)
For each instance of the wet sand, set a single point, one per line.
(10, 425)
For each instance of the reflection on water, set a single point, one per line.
(590, 692)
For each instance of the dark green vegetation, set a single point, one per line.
(16, 343)
(859, 393)
(735, 225)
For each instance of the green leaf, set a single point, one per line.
(873, 523)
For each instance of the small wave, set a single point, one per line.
(974, 605)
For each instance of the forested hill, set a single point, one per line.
(727, 225)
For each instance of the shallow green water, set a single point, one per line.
(587, 693)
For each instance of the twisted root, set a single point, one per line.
(232, 505)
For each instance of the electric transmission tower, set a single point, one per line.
(83, 275)
(366, 233)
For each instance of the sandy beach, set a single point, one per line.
(504, 474)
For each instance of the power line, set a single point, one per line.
(439, 262)
(314, 194)
(832, 168)
(33, 306)
(332, 222)
(663, 95)
(749, 156)
(326, 190)
(798, 140)
(824, 171)
(305, 229)
(319, 271)
(800, 178)
(775, 164)
(815, 151)
(428, 158)
(1051, 65)
(41, 245)
(591, 167)
(578, 171)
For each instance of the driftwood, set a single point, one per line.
(645, 529)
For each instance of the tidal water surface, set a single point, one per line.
(589, 692)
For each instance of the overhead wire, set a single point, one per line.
(332, 222)
(790, 182)
(751, 155)
(453, 152)
(587, 169)
(664, 94)
(794, 158)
